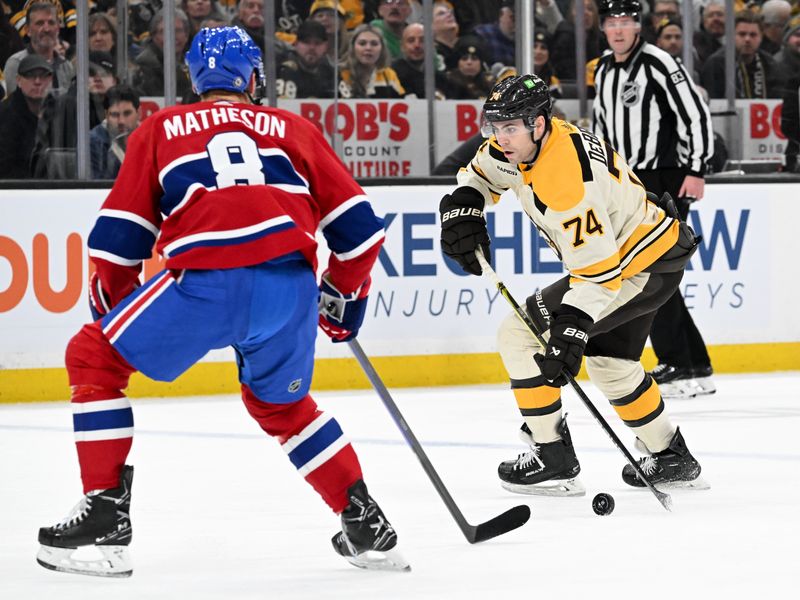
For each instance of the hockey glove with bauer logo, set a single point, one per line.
(568, 338)
(341, 315)
(464, 228)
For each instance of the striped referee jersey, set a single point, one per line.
(650, 111)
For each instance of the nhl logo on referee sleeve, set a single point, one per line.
(677, 77)
(631, 92)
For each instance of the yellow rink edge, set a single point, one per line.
(34, 385)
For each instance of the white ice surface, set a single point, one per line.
(219, 512)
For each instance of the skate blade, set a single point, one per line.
(694, 484)
(391, 560)
(678, 390)
(698, 484)
(115, 561)
(704, 386)
(554, 487)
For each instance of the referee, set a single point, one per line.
(648, 109)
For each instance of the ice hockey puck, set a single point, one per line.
(603, 504)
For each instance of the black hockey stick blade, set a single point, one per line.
(508, 521)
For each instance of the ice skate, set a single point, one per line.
(674, 382)
(546, 470)
(673, 467)
(93, 539)
(367, 539)
(702, 382)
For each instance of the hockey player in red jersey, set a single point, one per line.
(232, 195)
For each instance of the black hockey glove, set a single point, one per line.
(464, 228)
(568, 338)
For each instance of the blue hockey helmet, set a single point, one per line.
(224, 59)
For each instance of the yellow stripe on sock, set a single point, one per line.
(642, 406)
(538, 397)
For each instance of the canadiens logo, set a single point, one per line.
(630, 93)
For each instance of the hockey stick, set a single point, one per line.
(509, 520)
(663, 498)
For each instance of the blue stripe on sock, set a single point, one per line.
(105, 419)
(317, 443)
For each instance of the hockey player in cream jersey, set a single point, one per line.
(625, 257)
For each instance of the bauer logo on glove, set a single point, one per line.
(340, 314)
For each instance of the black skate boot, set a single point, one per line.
(100, 520)
(547, 470)
(673, 467)
(674, 382)
(367, 539)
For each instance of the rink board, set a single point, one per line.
(427, 324)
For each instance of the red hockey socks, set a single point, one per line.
(314, 442)
(101, 414)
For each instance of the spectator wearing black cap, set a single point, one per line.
(410, 68)
(332, 16)
(107, 141)
(669, 37)
(307, 73)
(19, 114)
(43, 27)
(469, 80)
(58, 126)
(499, 36)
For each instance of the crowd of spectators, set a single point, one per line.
(344, 48)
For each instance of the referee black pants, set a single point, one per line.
(675, 338)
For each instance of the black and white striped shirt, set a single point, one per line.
(650, 111)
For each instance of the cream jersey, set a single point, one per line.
(587, 204)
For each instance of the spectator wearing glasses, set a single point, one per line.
(662, 9)
(708, 38)
(19, 114)
(394, 18)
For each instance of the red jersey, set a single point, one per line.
(220, 185)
